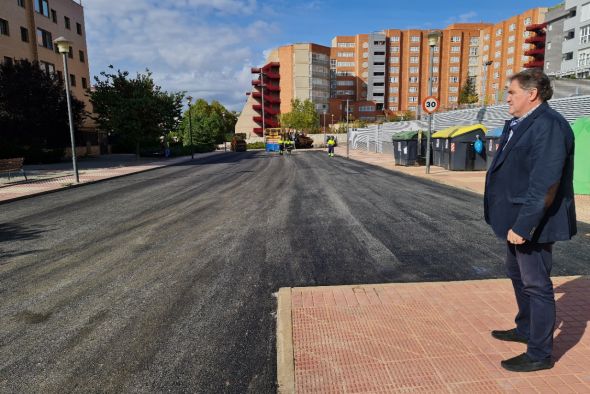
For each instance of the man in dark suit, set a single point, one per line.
(529, 202)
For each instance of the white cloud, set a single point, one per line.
(463, 18)
(192, 45)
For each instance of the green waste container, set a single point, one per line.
(405, 148)
(581, 129)
(492, 141)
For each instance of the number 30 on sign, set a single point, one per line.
(430, 104)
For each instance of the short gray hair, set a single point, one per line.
(534, 79)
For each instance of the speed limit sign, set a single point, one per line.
(430, 104)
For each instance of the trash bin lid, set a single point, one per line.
(494, 133)
(446, 133)
(468, 129)
(405, 135)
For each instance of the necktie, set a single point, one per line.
(513, 124)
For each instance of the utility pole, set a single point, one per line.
(347, 130)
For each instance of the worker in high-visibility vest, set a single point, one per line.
(281, 145)
(331, 144)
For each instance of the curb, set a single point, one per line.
(285, 356)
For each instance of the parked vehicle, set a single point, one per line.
(238, 142)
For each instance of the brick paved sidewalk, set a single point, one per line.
(43, 181)
(423, 337)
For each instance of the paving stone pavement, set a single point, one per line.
(428, 337)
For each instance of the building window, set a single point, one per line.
(413, 59)
(24, 34)
(456, 39)
(365, 64)
(345, 83)
(585, 34)
(414, 49)
(414, 70)
(454, 69)
(366, 108)
(568, 56)
(72, 80)
(413, 99)
(435, 60)
(71, 53)
(434, 79)
(486, 48)
(84, 83)
(454, 59)
(21, 3)
(498, 43)
(79, 28)
(345, 54)
(394, 39)
(365, 44)
(434, 69)
(499, 32)
(42, 7)
(496, 64)
(528, 21)
(44, 39)
(584, 58)
(378, 74)
(435, 49)
(496, 75)
(345, 64)
(346, 45)
(474, 41)
(509, 72)
(413, 79)
(413, 108)
(67, 22)
(512, 27)
(394, 79)
(47, 67)
(453, 99)
(510, 50)
(4, 27)
(453, 89)
(394, 59)
(393, 99)
(394, 49)
(394, 70)
(394, 90)
(415, 39)
(455, 49)
(510, 60)
(473, 51)
(82, 57)
(7, 60)
(453, 79)
(511, 39)
(412, 89)
(497, 54)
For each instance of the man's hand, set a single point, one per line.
(514, 238)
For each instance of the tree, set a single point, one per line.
(468, 94)
(134, 109)
(34, 112)
(303, 116)
(210, 124)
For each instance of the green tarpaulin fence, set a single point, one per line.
(581, 129)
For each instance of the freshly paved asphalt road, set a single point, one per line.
(164, 281)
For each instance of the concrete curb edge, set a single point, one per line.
(285, 356)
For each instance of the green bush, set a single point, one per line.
(256, 145)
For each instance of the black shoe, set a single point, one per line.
(509, 335)
(524, 363)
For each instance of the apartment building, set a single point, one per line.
(387, 72)
(299, 71)
(27, 31)
(508, 47)
(576, 44)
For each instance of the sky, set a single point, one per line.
(206, 47)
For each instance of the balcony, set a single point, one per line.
(267, 110)
(273, 99)
(535, 52)
(534, 64)
(535, 40)
(256, 82)
(256, 94)
(271, 75)
(257, 130)
(255, 70)
(270, 65)
(268, 122)
(273, 88)
(536, 27)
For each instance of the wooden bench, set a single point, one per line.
(11, 166)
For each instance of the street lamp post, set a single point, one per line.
(324, 126)
(347, 130)
(63, 46)
(190, 125)
(484, 82)
(433, 40)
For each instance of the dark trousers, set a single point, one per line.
(529, 267)
(330, 148)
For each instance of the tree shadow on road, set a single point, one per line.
(10, 232)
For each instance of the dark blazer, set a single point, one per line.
(529, 186)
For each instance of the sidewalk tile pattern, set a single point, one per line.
(430, 338)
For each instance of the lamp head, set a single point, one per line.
(63, 44)
(433, 37)
(189, 99)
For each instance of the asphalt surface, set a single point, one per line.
(164, 281)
